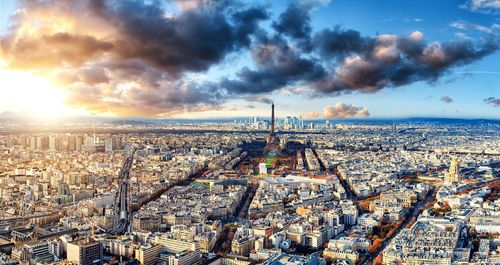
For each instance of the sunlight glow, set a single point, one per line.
(31, 95)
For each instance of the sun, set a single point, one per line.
(27, 94)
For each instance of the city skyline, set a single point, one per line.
(249, 132)
(203, 59)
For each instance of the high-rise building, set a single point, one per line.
(113, 144)
(72, 143)
(85, 252)
(53, 145)
(453, 174)
(62, 143)
(108, 145)
(79, 143)
(32, 142)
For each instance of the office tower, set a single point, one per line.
(85, 252)
(108, 145)
(42, 143)
(112, 144)
(71, 143)
(63, 189)
(117, 143)
(61, 144)
(79, 143)
(53, 143)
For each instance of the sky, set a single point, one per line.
(205, 59)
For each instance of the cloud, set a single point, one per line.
(446, 99)
(341, 110)
(472, 72)
(134, 88)
(141, 58)
(397, 61)
(338, 43)
(350, 62)
(465, 25)
(492, 100)
(278, 65)
(482, 6)
(294, 22)
(311, 115)
(258, 98)
(130, 57)
(184, 42)
(53, 50)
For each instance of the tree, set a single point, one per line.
(375, 245)
(390, 233)
(412, 221)
(378, 260)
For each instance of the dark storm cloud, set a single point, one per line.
(192, 40)
(493, 101)
(278, 65)
(395, 61)
(353, 62)
(337, 42)
(446, 99)
(294, 22)
(342, 61)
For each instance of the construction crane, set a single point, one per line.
(121, 211)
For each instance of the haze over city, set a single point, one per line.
(238, 132)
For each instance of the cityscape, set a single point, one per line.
(192, 132)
